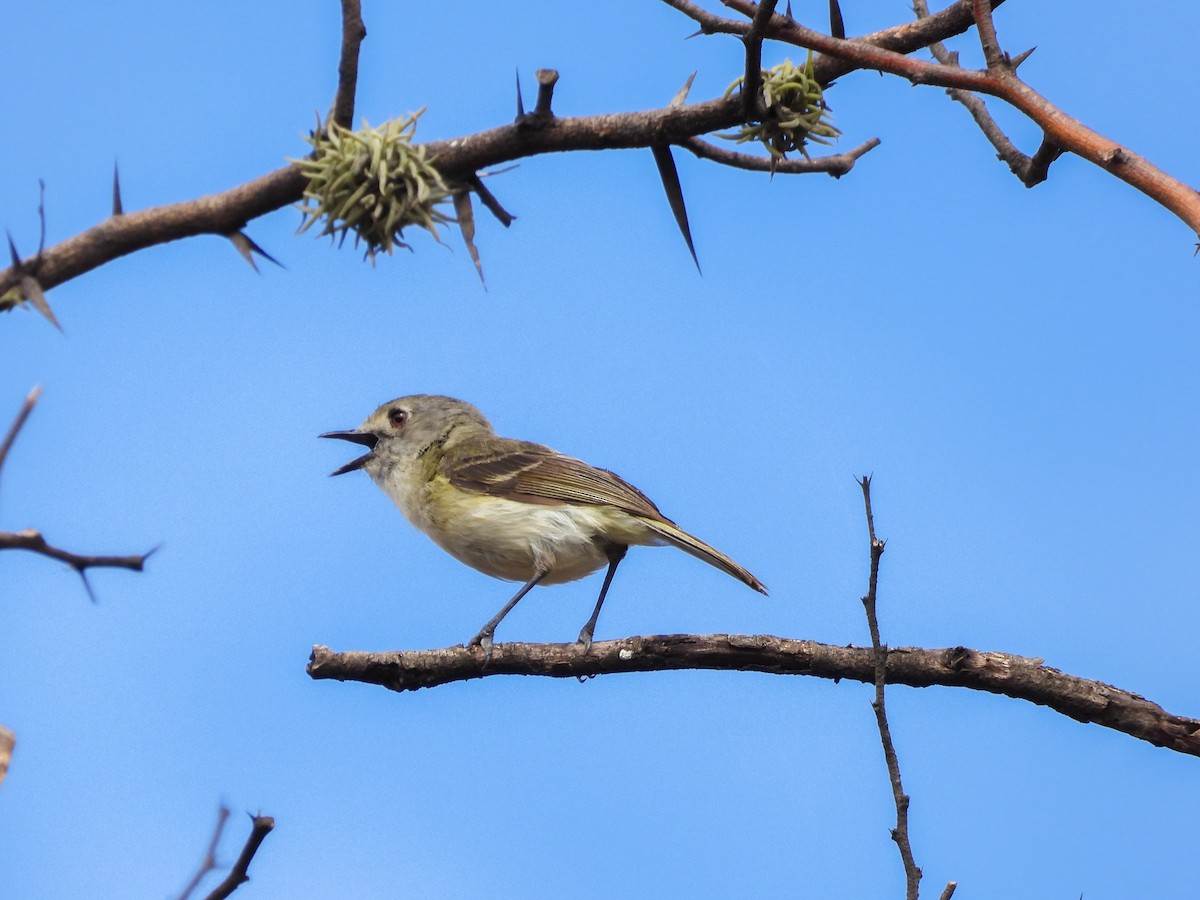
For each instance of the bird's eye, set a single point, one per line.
(398, 417)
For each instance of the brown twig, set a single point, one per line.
(879, 652)
(209, 863)
(948, 890)
(986, 27)
(8, 740)
(837, 164)
(1018, 677)
(1030, 170)
(1060, 129)
(752, 107)
(353, 33)
(239, 874)
(32, 540)
(31, 400)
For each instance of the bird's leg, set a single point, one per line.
(615, 553)
(484, 638)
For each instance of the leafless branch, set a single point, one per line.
(1031, 170)
(752, 108)
(32, 540)
(31, 400)
(986, 28)
(1001, 81)
(460, 159)
(8, 740)
(837, 164)
(239, 874)
(209, 863)
(879, 652)
(353, 32)
(1018, 677)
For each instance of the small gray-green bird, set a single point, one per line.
(511, 509)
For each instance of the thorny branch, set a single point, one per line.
(1001, 81)
(461, 159)
(1032, 170)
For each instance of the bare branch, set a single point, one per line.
(239, 874)
(986, 27)
(546, 79)
(461, 158)
(32, 540)
(353, 32)
(753, 39)
(1060, 129)
(1031, 171)
(837, 164)
(31, 400)
(998, 673)
(209, 863)
(912, 872)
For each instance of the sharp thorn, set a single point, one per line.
(118, 209)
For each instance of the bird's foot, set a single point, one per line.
(484, 641)
(585, 641)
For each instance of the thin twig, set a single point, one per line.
(458, 158)
(353, 32)
(752, 107)
(32, 540)
(31, 400)
(986, 27)
(209, 863)
(1030, 170)
(837, 164)
(912, 872)
(239, 874)
(948, 890)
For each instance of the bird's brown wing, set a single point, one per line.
(531, 473)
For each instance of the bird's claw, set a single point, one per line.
(484, 641)
(584, 642)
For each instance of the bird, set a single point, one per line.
(515, 510)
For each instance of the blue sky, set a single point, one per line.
(1016, 367)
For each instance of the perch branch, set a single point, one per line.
(1018, 677)
(1030, 170)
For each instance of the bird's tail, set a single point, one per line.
(677, 537)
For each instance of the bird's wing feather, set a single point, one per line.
(531, 473)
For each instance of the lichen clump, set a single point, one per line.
(795, 111)
(372, 182)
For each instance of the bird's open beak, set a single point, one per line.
(355, 437)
